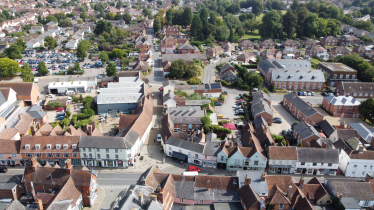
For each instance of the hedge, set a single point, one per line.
(54, 104)
(250, 66)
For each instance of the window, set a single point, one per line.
(281, 206)
(181, 200)
(65, 146)
(89, 149)
(90, 155)
(280, 162)
(201, 201)
(116, 156)
(49, 155)
(371, 167)
(222, 158)
(98, 156)
(58, 154)
(14, 155)
(107, 150)
(27, 155)
(97, 150)
(363, 173)
(256, 163)
(84, 155)
(37, 146)
(74, 146)
(355, 166)
(58, 146)
(303, 163)
(107, 156)
(196, 155)
(66, 154)
(38, 154)
(347, 76)
(314, 164)
(116, 150)
(75, 155)
(48, 146)
(330, 164)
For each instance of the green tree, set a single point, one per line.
(204, 16)
(42, 69)
(83, 47)
(127, 17)
(80, 21)
(119, 5)
(111, 69)
(271, 25)
(50, 42)
(290, 23)
(252, 25)
(193, 70)
(110, 16)
(187, 16)
(366, 108)
(156, 24)
(333, 27)
(169, 17)
(77, 67)
(103, 56)
(13, 52)
(26, 73)
(295, 4)
(364, 25)
(83, 15)
(117, 53)
(301, 15)
(231, 37)
(21, 44)
(232, 21)
(146, 12)
(8, 67)
(222, 33)
(252, 79)
(178, 68)
(258, 58)
(50, 18)
(258, 7)
(196, 26)
(240, 32)
(102, 26)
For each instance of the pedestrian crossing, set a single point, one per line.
(114, 186)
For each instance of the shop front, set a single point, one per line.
(209, 164)
(10, 162)
(280, 169)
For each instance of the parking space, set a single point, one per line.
(287, 119)
(226, 108)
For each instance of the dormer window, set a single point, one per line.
(37, 146)
(74, 146)
(48, 146)
(58, 146)
(65, 146)
(27, 146)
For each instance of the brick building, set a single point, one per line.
(315, 51)
(339, 51)
(301, 110)
(187, 49)
(171, 31)
(348, 40)
(267, 44)
(26, 91)
(310, 43)
(246, 45)
(290, 43)
(329, 41)
(338, 72)
(355, 89)
(311, 80)
(305, 133)
(271, 54)
(341, 106)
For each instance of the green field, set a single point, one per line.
(253, 35)
(259, 18)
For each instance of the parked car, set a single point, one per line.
(236, 106)
(69, 99)
(60, 117)
(50, 96)
(3, 169)
(312, 93)
(60, 114)
(161, 88)
(158, 137)
(60, 109)
(218, 104)
(239, 111)
(194, 168)
(277, 120)
(308, 94)
(149, 85)
(300, 93)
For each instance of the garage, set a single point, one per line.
(62, 87)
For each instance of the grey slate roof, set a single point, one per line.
(259, 121)
(298, 76)
(305, 130)
(260, 107)
(185, 144)
(211, 148)
(186, 57)
(327, 128)
(225, 67)
(35, 112)
(186, 120)
(364, 132)
(168, 96)
(185, 111)
(301, 104)
(103, 142)
(256, 184)
(170, 82)
(358, 190)
(214, 194)
(261, 94)
(284, 63)
(7, 186)
(130, 138)
(131, 199)
(317, 155)
(2, 99)
(229, 76)
(350, 203)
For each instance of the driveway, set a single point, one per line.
(287, 119)
(226, 108)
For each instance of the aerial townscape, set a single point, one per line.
(186, 105)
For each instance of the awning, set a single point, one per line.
(229, 126)
(280, 166)
(179, 156)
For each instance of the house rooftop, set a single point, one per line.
(337, 67)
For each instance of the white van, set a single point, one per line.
(190, 173)
(70, 92)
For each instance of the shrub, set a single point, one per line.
(82, 116)
(300, 144)
(265, 90)
(65, 122)
(223, 122)
(67, 114)
(284, 142)
(194, 81)
(277, 138)
(88, 102)
(82, 123)
(222, 97)
(195, 96)
(54, 104)
(74, 120)
(205, 120)
(295, 123)
(75, 99)
(242, 117)
(209, 112)
(89, 112)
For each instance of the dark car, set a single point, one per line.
(43, 102)
(218, 104)
(277, 120)
(3, 169)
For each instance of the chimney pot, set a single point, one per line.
(68, 166)
(247, 180)
(301, 183)
(324, 145)
(263, 177)
(361, 149)
(289, 192)
(207, 185)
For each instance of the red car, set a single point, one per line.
(193, 168)
(161, 88)
(60, 109)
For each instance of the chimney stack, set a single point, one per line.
(68, 166)
(160, 196)
(34, 163)
(120, 113)
(147, 96)
(324, 145)
(263, 177)
(154, 197)
(342, 125)
(19, 116)
(39, 204)
(247, 180)
(207, 185)
(289, 192)
(367, 177)
(33, 130)
(93, 126)
(89, 128)
(141, 199)
(360, 149)
(301, 183)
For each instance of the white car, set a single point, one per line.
(158, 137)
(309, 94)
(69, 99)
(149, 85)
(312, 93)
(50, 96)
(236, 106)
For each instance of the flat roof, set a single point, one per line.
(338, 67)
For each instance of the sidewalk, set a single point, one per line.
(99, 199)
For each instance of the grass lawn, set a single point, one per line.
(251, 36)
(259, 18)
(316, 61)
